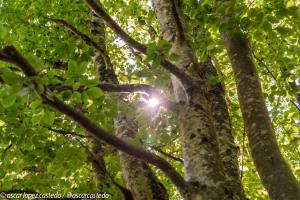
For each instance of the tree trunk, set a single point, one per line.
(96, 154)
(98, 165)
(137, 174)
(274, 172)
(102, 63)
(105, 73)
(222, 124)
(203, 166)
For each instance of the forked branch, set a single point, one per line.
(97, 8)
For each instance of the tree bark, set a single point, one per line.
(99, 61)
(274, 172)
(102, 63)
(222, 124)
(137, 174)
(202, 161)
(98, 165)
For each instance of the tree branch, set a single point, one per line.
(109, 87)
(89, 41)
(98, 10)
(126, 88)
(65, 133)
(123, 88)
(181, 75)
(11, 55)
(96, 7)
(6, 150)
(166, 154)
(126, 193)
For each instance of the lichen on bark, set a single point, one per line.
(138, 176)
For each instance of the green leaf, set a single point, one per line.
(77, 96)
(37, 118)
(94, 93)
(156, 52)
(66, 95)
(75, 69)
(84, 97)
(267, 26)
(10, 77)
(164, 47)
(283, 30)
(8, 101)
(72, 67)
(156, 61)
(49, 118)
(35, 104)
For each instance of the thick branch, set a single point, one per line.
(11, 55)
(101, 135)
(96, 7)
(98, 10)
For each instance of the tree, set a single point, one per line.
(115, 90)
